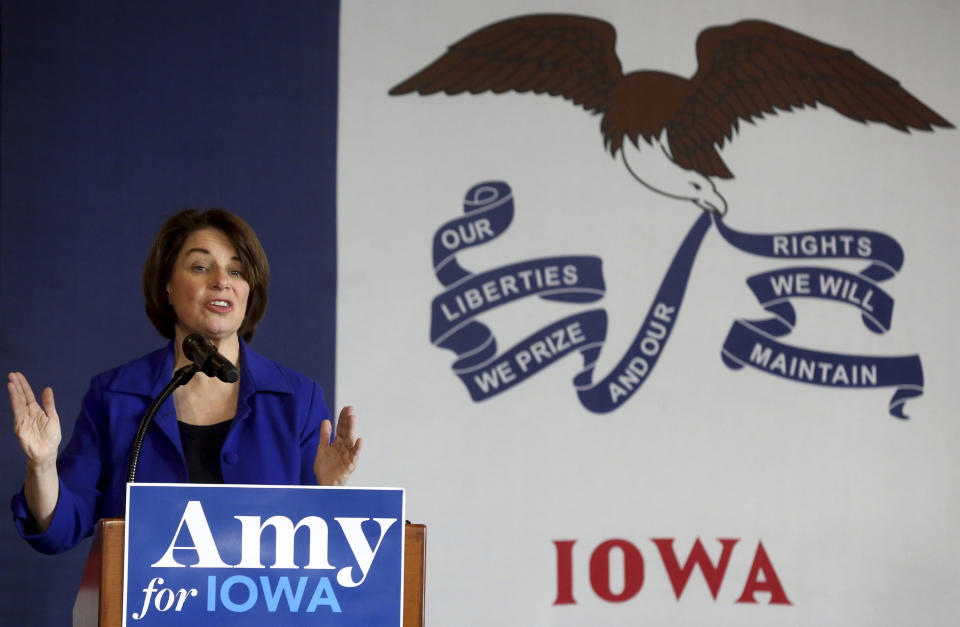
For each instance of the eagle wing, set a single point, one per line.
(561, 55)
(753, 67)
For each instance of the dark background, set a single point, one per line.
(114, 116)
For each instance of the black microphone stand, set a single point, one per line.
(180, 377)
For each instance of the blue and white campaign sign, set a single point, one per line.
(255, 555)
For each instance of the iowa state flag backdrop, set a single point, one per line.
(654, 315)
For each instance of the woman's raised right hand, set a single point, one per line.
(37, 427)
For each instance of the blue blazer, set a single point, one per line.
(273, 440)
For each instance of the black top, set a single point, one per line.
(201, 448)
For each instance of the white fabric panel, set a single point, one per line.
(856, 509)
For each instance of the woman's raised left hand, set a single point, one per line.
(337, 460)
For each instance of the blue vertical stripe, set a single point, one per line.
(115, 115)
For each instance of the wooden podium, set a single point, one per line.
(100, 598)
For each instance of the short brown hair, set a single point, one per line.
(163, 254)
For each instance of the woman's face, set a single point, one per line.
(207, 288)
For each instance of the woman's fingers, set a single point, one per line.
(25, 389)
(49, 407)
(347, 425)
(326, 428)
(21, 398)
(336, 460)
(37, 428)
(17, 398)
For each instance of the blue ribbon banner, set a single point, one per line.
(753, 343)
(263, 555)
(488, 212)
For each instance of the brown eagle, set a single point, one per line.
(675, 125)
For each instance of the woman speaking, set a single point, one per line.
(206, 273)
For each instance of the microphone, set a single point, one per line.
(204, 355)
